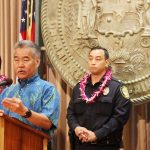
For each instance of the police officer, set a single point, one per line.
(99, 106)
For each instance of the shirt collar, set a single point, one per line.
(29, 80)
(89, 81)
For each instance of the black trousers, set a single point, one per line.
(49, 147)
(85, 146)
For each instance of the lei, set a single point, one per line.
(107, 78)
(2, 78)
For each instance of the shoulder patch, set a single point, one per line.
(124, 92)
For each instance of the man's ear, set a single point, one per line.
(107, 63)
(38, 62)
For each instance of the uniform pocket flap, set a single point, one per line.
(106, 99)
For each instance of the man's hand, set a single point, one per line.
(91, 136)
(85, 135)
(14, 105)
(1, 112)
(81, 133)
(79, 130)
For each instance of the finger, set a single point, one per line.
(84, 139)
(80, 137)
(16, 99)
(9, 105)
(9, 100)
(6, 103)
(1, 112)
(6, 106)
(79, 133)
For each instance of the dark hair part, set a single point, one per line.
(28, 44)
(103, 49)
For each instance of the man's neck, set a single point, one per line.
(96, 77)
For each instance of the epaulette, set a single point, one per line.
(116, 80)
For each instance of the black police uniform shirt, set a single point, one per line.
(106, 116)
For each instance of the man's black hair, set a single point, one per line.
(101, 48)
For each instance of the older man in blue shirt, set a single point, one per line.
(32, 100)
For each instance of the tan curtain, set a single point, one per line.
(9, 31)
(136, 133)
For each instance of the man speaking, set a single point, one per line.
(32, 100)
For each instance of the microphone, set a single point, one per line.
(6, 82)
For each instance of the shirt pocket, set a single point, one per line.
(104, 106)
(79, 106)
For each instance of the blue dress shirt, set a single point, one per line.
(37, 95)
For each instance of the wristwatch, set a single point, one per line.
(27, 114)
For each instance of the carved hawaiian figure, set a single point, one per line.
(148, 12)
(86, 16)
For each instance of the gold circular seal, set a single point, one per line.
(72, 27)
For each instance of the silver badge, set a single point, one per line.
(106, 91)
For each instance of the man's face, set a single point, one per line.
(97, 62)
(26, 63)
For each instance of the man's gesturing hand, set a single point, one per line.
(14, 105)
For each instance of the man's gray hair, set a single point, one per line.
(28, 44)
